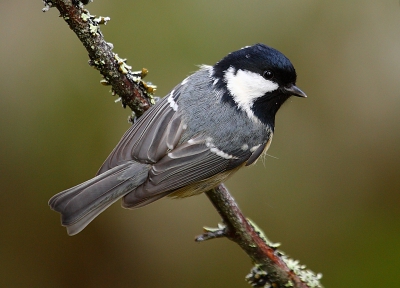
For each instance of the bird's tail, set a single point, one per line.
(79, 205)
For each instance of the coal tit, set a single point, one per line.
(217, 120)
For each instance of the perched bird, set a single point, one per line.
(217, 120)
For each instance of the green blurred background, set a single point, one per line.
(330, 193)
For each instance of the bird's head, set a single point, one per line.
(256, 79)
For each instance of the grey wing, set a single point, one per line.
(151, 137)
(194, 161)
(188, 164)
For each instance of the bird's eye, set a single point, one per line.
(268, 74)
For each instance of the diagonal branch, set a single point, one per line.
(272, 267)
(281, 271)
(134, 93)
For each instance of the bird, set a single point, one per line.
(217, 120)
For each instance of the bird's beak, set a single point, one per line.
(295, 91)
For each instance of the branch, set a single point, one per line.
(133, 92)
(272, 267)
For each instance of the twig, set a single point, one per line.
(272, 267)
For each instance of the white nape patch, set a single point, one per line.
(210, 70)
(245, 147)
(217, 151)
(207, 68)
(245, 87)
(210, 73)
(172, 102)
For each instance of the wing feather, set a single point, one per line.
(149, 139)
(146, 147)
(187, 164)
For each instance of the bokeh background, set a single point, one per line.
(329, 193)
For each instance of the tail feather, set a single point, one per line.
(60, 200)
(79, 205)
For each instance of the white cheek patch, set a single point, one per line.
(245, 87)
